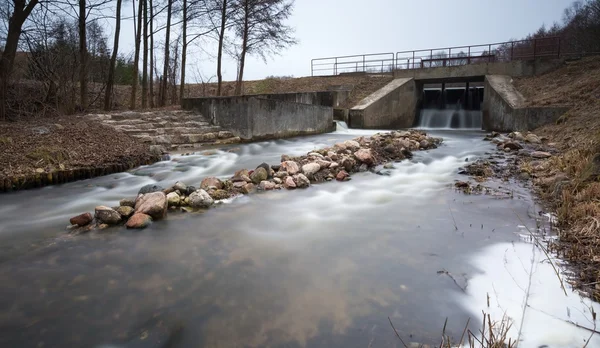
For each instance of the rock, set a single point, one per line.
(149, 189)
(107, 215)
(424, 144)
(218, 194)
(260, 174)
(389, 148)
(403, 143)
(139, 221)
(334, 165)
(126, 202)
(401, 134)
(82, 219)
(323, 163)
(211, 181)
(59, 126)
(248, 188)
(311, 168)
(181, 187)
(540, 154)
(276, 167)
(201, 199)
(290, 167)
(348, 164)
(461, 184)
(285, 158)
(513, 145)
(281, 174)
(240, 175)
(173, 199)
(125, 211)
(365, 156)
(277, 181)
(389, 165)
(351, 144)
(289, 183)
(301, 181)
(239, 184)
(363, 168)
(266, 185)
(40, 130)
(267, 169)
(532, 138)
(315, 154)
(524, 176)
(342, 175)
(506, 149)
(153, 204)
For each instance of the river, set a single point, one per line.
(320, 267)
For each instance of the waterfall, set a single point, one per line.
(450, 119)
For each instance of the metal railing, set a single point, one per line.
(369, 63)
(549, 47)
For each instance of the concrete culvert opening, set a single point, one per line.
(450, 106)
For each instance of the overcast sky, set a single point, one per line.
(327, 28)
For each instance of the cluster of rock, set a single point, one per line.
(516, 141)
(331, 163)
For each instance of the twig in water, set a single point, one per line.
(562, 285)
(443, 271)
(455, 226)
(400, 338)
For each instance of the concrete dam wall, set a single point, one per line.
(255, 118)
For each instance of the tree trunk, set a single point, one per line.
(113, 60)
(183, 52)
(220, 53)
(151, 54)
(83, 56)
(238, 85)
(15, 23)
(136, 59)
(163, 97)
(145, 60)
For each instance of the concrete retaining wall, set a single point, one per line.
(252, 118)
(393, 106)
(504, 108)
(323, 98)
(515, 68)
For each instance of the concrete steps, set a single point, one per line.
(172, 130)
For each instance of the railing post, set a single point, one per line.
(512, 50)
(364, 68)
(490, 53)
(335, 67)
(312, 71)
(469, 56)
(413, 60)
(449, 57)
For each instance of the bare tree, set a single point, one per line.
(260, 26)
(221, 35)
(151, 20)
(113, 58)
(20, 12)
(145, 59)
(83, 55)
(185, 20)
(136, 59)
(164, 84)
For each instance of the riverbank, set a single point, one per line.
(41, 152)
(568, 182)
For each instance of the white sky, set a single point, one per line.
(344, 27)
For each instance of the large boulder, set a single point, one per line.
(351, 144)
(301, 181)
(341, 175)
(181, 187)
(139, 221)
(290, 167)
(211, 182)
(82, 219)
(365, 156)
(149, 189)
(311, 168)
(267, 169)
(107, 215)
(200, 199)
(512, 145)
(258, 175)
(153, 204)
(173, 199)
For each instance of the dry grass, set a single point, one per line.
(569, 182)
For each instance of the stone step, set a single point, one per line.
(190, 146)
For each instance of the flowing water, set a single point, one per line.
(320, 267)
(450, 119)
